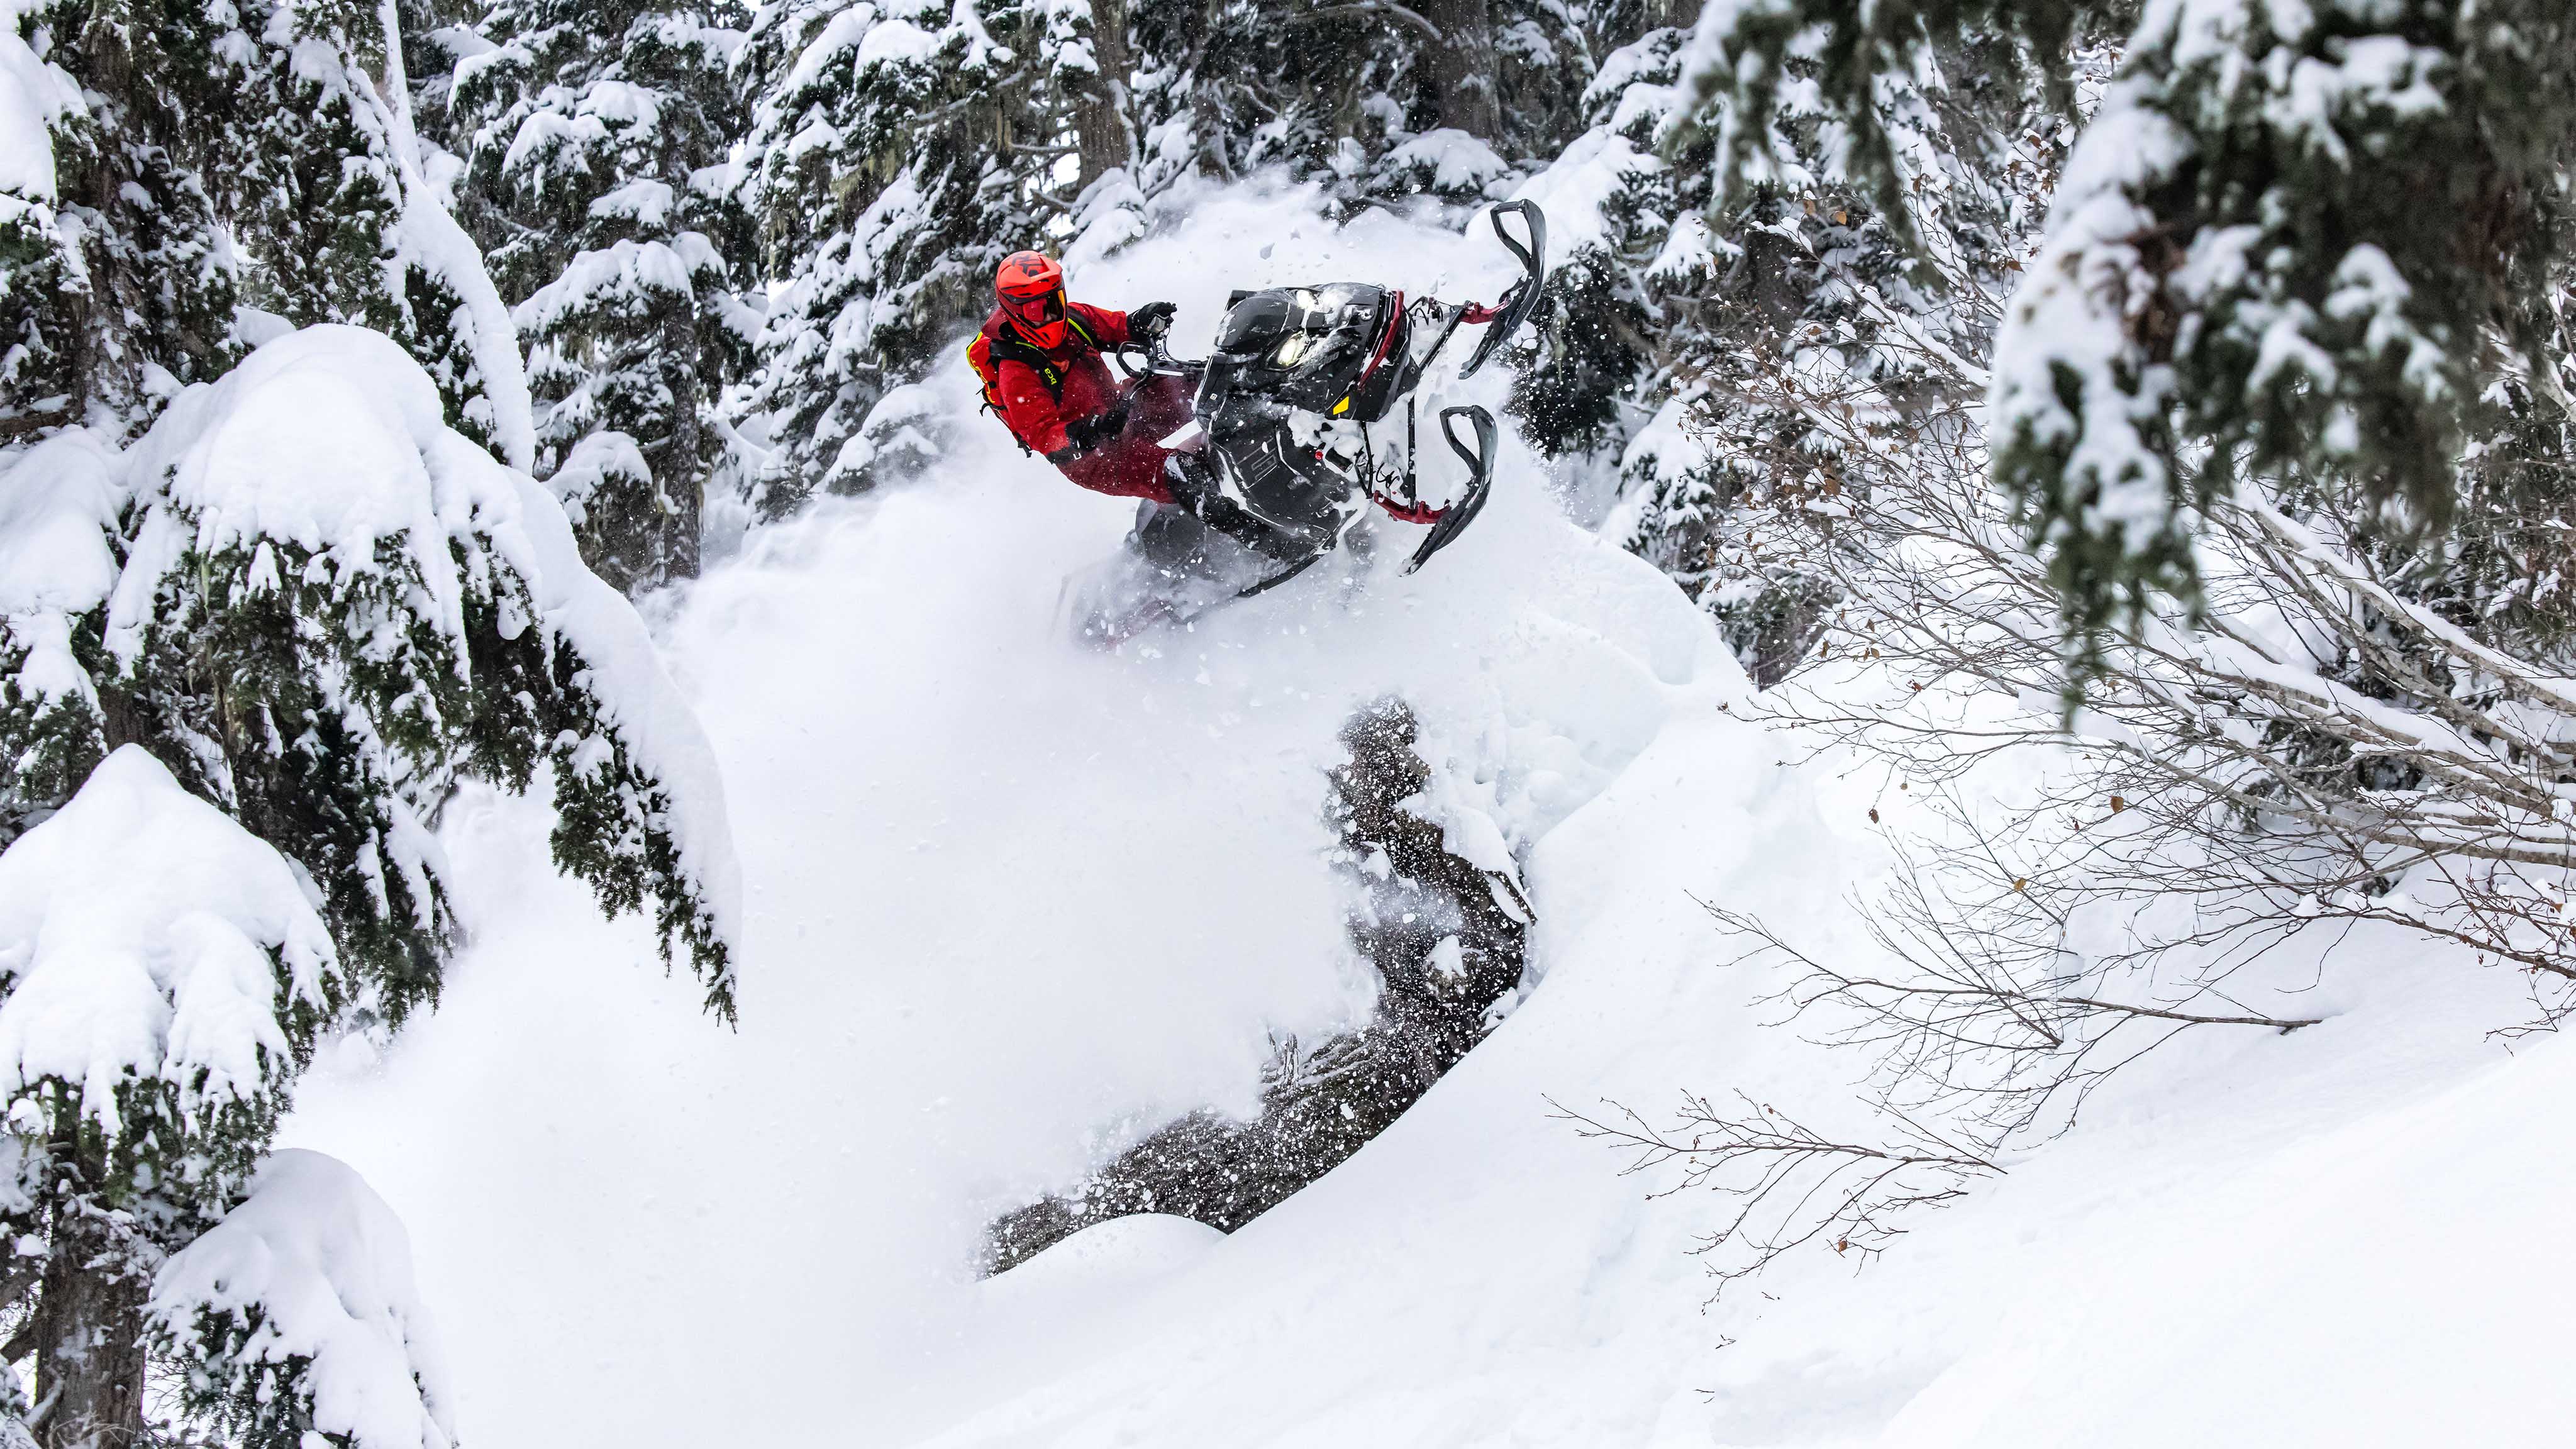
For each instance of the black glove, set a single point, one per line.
(1086, 434)
(1149, 321)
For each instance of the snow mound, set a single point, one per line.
(1448, 161)
(1115, 1257)
(313, 1266)
(137, 930)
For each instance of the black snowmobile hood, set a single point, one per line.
(1303, 347)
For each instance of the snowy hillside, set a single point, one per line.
(1834, 725)
(1006, 895)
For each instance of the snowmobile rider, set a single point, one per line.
(1039, 356)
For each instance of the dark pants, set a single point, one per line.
(1131, 464)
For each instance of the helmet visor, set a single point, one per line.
(1043, 310)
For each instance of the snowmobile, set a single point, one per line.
(1284, 436)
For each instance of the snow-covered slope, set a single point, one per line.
(1004, 895)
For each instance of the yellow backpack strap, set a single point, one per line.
(979, 356)
(1029, 357)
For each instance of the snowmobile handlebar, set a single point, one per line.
(1158, 358)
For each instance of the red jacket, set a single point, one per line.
(1036, 412)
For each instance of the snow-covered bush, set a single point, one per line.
(300, 1321)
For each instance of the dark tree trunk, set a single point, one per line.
(681, 481)
(104, 363)
(89, 1339)
(1100, 111)
(1207, 101)
(1462, 66)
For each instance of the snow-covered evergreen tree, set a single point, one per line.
(595, 142)
(1379, 102)
(1677, 311)
(222, 156)
(2503, 571)
(273, 612)
(330, 201)
(165, 978)
(303, 603)
(117, 277)
(1623, 318)
(896, 155)
(2296, 243)
(40, 262)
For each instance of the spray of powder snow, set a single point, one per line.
(1002, 893)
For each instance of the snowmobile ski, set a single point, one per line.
(1454, 519)
(1522, 299)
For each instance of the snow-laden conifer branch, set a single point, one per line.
(162, 978)
(299, 1318)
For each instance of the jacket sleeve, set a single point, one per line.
(1029, 408)
(1110, 327)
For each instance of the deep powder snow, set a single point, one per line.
(1010, 903)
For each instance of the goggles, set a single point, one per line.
(1044, 310)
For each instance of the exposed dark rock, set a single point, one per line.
(1321, 1102)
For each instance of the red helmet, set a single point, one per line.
(1031, 289)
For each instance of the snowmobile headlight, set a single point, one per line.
(1290, 350)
